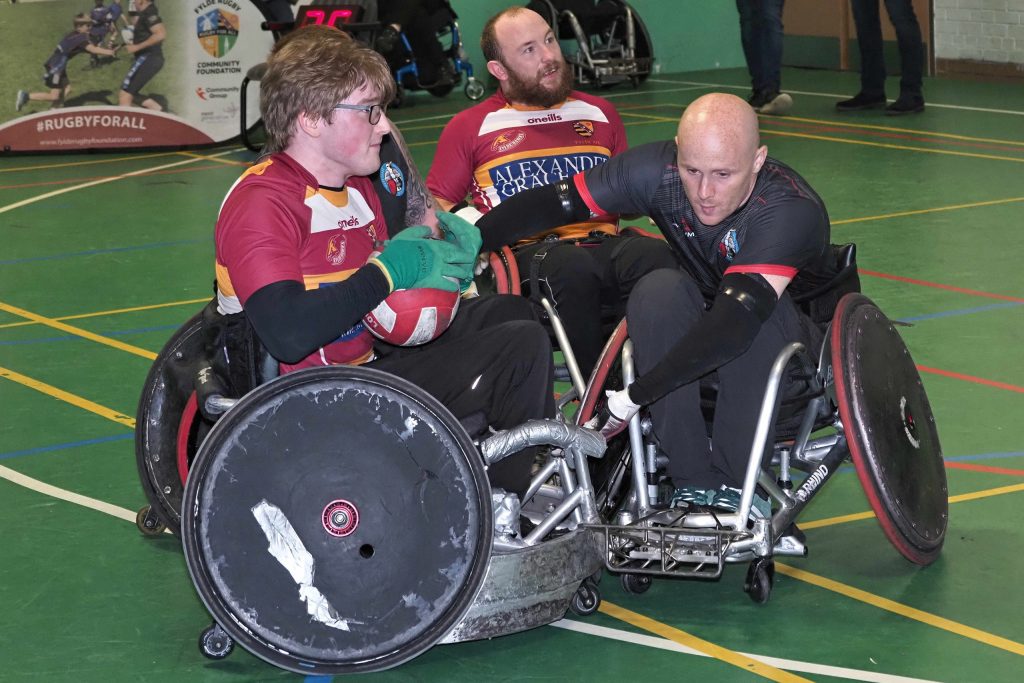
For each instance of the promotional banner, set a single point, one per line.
(108, 74)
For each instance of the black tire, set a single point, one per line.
(636, 584)
(586, 600)
(215, 643)
(148, 523)
(759, 581)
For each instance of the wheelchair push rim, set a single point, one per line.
(337, 520)
(889, 428)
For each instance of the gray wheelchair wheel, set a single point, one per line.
(337, 520)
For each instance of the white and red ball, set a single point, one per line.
(410, 317)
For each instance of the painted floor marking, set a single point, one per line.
(889, 145)
(839, 96)
(902, 610)
(68, 397)
(939, 285)
(115, 311)
(77, 331)
(971, 378)
(917, 212)
(710, 649)
(110, 179)
(787, 664)
(62, 494)
(91, 162)
(988, 469)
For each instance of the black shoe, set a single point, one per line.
(860, 101)
(758, 98)
(905, 104)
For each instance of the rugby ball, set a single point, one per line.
(410, 317)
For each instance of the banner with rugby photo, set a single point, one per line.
(111, 74)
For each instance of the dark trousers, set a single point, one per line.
(761, 34)
(867, 18)
(664, 306)
(495, 359)
(585, 280)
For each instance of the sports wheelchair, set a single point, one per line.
(339, 520)
(612, 44)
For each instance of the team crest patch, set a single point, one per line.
(217, 31)
(507, 140)
(729, 246)
(392, 179)
(583, 128)
(336, 250)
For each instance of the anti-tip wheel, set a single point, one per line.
(148, 523)
(636, 584)
(760, 577)
(586, 599)
(215, 643)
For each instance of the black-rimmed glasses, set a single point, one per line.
(374, 111)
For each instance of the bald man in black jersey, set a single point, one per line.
(748, 231)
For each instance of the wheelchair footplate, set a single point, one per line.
(662, 544)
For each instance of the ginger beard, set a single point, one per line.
(538, 90)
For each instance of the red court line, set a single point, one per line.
(984, 468)
(950, 288)
(971, 378)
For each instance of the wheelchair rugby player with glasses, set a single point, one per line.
(339, 519)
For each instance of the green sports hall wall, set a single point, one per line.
(688, 35)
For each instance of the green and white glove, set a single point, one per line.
(412, 260)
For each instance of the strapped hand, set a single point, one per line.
(413, 260)
(618, 410)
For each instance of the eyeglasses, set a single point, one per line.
(374, 110)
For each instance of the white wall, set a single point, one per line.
(980, 30)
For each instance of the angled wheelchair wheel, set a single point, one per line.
(168, 428)
(890, 429)
(337, 520)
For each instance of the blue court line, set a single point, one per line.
(64, 446)
(961, 311)
(94, 252)
(71, 337)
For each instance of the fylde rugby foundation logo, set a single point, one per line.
(217, 30)
(507, 140)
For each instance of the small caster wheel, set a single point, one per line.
(474, 89)
(760, 577)
(215, 643)
(636, 584)
(149, 524)
(586, 599)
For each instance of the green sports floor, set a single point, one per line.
(103, 256)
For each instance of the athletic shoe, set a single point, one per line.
(778, 104)
(728, 498)
(20, 100)
(908, 104)
(860, 101)
(758, 98)
(691, 496)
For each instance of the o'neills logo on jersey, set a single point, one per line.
(583, 128)
(336, 250)
(350, 222)
(550, 118)
(506, 141)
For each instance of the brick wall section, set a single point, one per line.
(980, 31)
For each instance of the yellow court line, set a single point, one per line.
(205, 157)
(67, 397)
(92, 162)
(916, 212)
(886, 145)
(77, 331)
(841, 519)
(687, 640)
(115, 311)
(903, 610)
(987, 493)
(890, 129)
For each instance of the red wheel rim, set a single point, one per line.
(188, 418)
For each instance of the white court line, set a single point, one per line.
(787, 664)
(578, 626)
(837, 96)
(93, 183)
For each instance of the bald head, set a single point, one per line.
(725, 117)
(719, 155)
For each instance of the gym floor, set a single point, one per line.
(105, 255)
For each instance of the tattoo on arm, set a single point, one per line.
(419, 203)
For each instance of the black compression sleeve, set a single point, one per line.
(531, 212)
(293, 322)
(725, 332)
